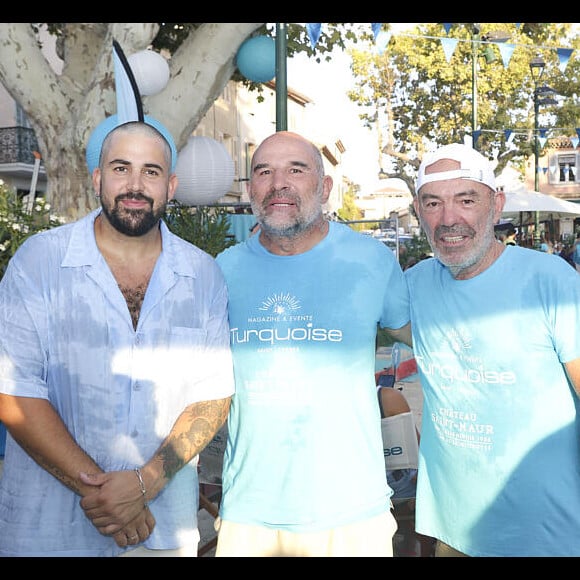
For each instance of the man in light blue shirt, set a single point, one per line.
(115, 370)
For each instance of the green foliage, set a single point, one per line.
(206, 227)
(17, 223)
(383, 338)
(419, 99)
(416, 249)
(349, 210)
(172, 34)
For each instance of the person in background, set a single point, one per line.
(510, 237)
(575, 252)
(304, 472)
(392, 402)
(115, 370)
(403, 482)
(546, 245)
(500, 454)
(565, 252)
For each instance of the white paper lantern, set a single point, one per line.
(150, 70)
(205, 171)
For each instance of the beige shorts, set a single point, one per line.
(373, 537)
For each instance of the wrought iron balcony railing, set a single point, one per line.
(17, 145)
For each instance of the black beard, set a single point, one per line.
(132, 222)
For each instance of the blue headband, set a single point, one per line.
(97, 137)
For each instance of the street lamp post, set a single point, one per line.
(474, 53)
(537, 66)
(536, 169)
(281, 80)
(394, 216)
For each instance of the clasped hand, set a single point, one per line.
(117, 508)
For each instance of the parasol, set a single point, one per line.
(522, 205)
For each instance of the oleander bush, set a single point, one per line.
(18, 222)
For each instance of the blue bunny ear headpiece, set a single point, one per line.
(129, 108)
(129, 105)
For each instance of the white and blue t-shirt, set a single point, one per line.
(499, 462)
(305, 450)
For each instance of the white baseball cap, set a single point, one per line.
(474, 166)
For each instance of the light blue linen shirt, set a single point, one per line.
(66, 335)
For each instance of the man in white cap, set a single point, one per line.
(495, 336)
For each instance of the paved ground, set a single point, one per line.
(206, 530)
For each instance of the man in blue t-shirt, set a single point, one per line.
(304, 473)
(495, 337)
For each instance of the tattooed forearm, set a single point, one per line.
(194, 429)
(71, 482)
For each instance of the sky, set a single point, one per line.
(327, 83)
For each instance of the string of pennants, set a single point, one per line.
(509, 135)
(506, 49)
(382, 39)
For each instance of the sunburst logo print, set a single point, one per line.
(280, 304)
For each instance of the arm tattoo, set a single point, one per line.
(199, 425)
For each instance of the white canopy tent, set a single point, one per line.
(520, 207)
